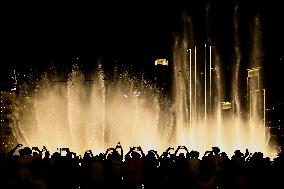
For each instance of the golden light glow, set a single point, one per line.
(226, 105)
(163, 62)
(253, 72)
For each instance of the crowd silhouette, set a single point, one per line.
(26, 168)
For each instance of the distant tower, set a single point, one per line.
(161, 69)
(255, 95)
(227, 109)
(8, 119)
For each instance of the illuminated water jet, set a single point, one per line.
(211, 124)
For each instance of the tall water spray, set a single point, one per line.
(93, 113)
(219, 123)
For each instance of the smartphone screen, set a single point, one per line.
(63, 152)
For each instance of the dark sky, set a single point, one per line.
(142, 30)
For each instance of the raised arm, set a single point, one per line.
(39, 155)
(207, 152)
(118, 146)
(107, 152)
(185, 148)
(155, 152)
(178, 148)
(91, 153)
(169, 148)
(130, 151)
(165, 154)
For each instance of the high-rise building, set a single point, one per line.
(7, 119)
(255, 95)
(161, 72)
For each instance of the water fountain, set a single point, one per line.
(95, 113)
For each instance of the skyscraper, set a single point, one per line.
(256, 95)
(8, 119)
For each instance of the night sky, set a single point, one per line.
(131, 32)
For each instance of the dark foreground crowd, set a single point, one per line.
(173, 169)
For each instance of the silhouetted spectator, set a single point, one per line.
(133, 169)
(150, 170)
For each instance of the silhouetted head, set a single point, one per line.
(25, 151)
(115, 155)
(101, 156)
(35, 153)
(135, 155)
(258, 155)
(238, 153)
(46, 154)
(215, 150)
(195, 154)
(86, 155)
(164, 154)
(223, 154)
(181, 156)
(150, 154)
(21, 152)
(56, 155)
(96, 158)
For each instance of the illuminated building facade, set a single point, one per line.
(162, 72)
(256, 95)
(8, 119)
(163, 62)
(227, 110)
